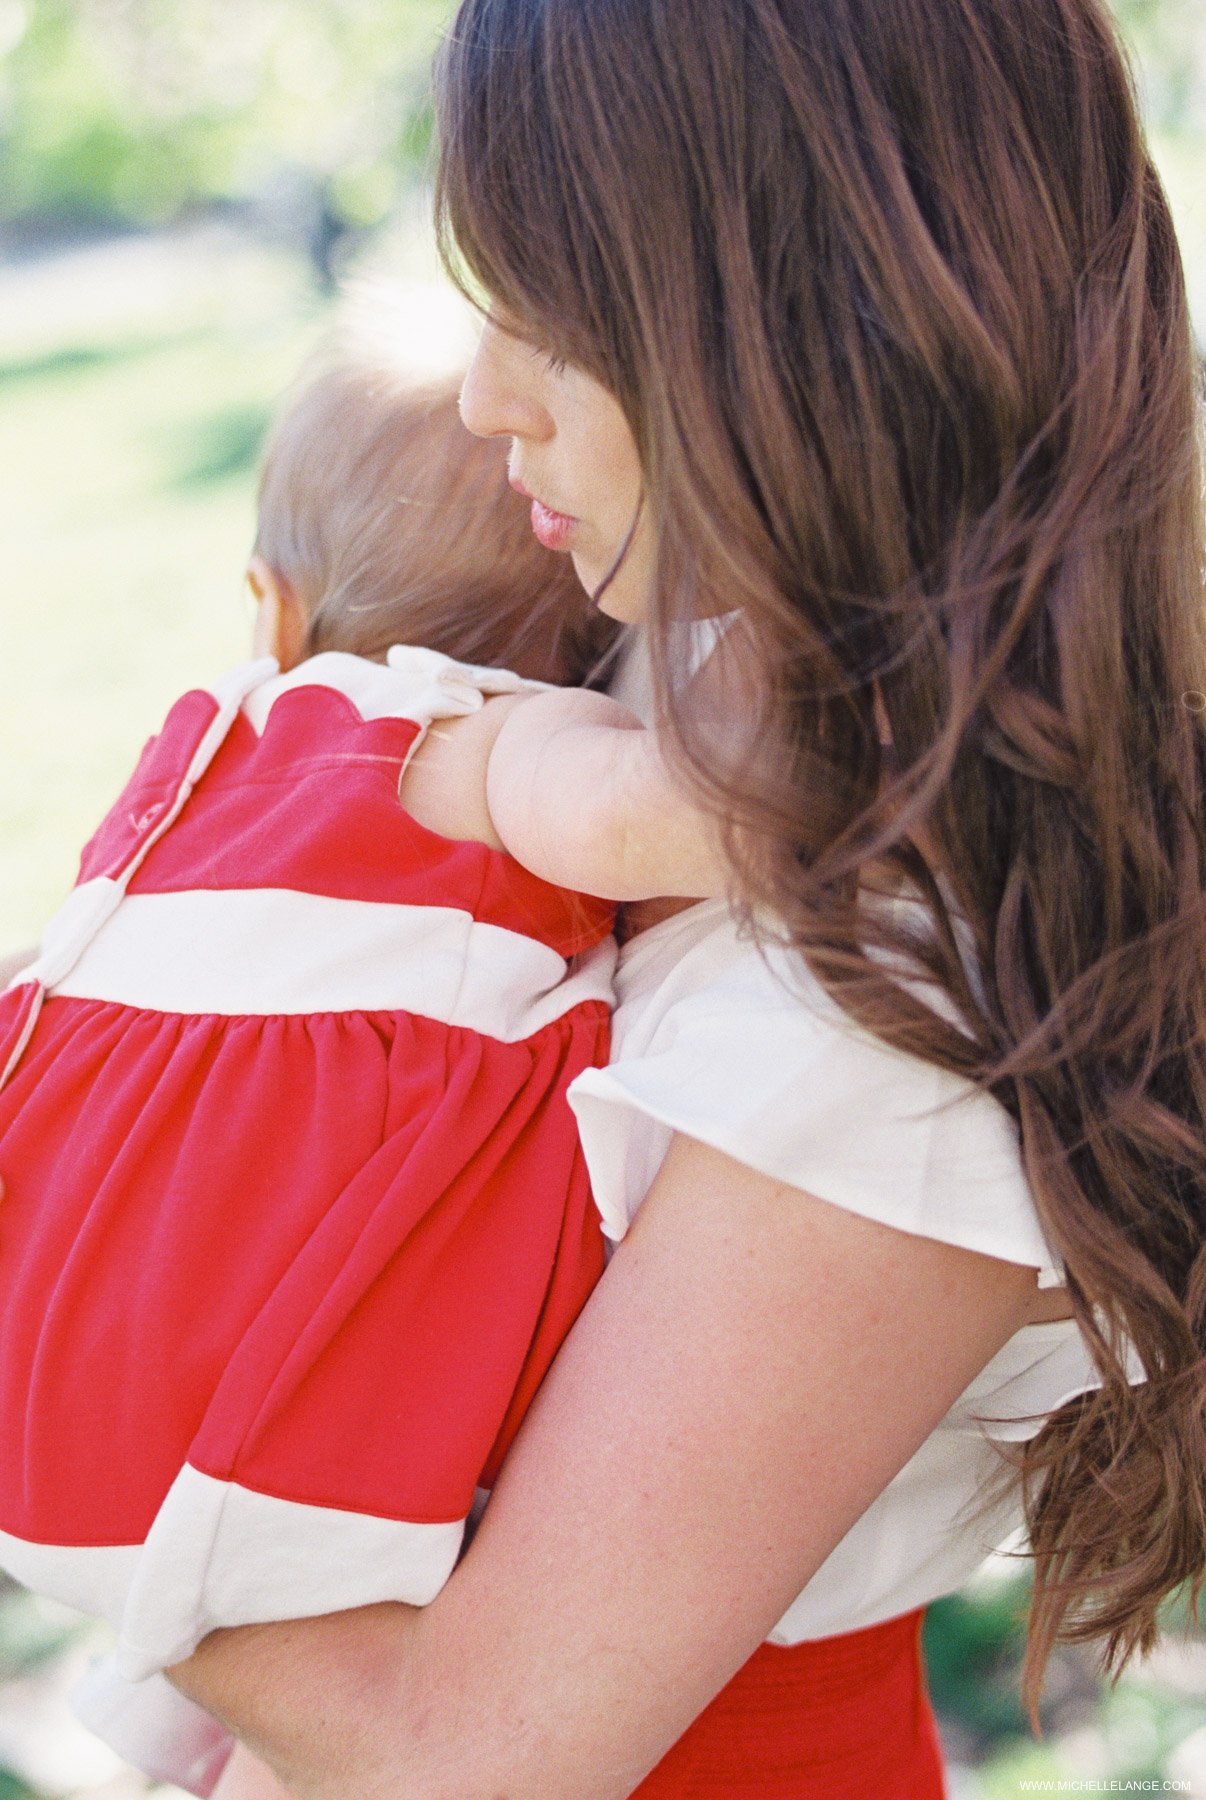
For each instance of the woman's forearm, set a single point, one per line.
(316, 1699)
(752, 1370)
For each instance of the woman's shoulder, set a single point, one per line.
(707, 966)
(730, 1039)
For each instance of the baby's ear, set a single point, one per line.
(281, 622)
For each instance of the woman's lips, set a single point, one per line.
(555, 530)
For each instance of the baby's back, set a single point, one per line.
(296, 1214)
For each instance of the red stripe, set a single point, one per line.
(312, 805)
(151, 788)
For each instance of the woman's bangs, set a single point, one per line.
(504, 218)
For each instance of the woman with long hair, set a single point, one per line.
(853, 339)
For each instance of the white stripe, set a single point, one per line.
(93, 1578)
(83, 913)
(272, 950)
(221, 1554)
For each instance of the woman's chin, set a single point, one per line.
(622, 599)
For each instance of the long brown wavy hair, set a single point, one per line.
(890, 294)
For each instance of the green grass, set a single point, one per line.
(126, 513)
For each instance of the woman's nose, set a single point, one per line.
(500, 396)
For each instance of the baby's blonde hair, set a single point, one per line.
(393, 524)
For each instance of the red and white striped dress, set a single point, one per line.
(296, 1215)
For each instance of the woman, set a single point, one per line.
(865, 323)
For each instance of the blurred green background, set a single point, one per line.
(185, 185)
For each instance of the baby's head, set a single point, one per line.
(383, 521)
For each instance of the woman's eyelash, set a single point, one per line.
(557, 364)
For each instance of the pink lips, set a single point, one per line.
(555, 530)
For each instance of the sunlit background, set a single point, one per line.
(186, 184)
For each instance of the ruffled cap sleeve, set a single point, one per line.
(745, 1051)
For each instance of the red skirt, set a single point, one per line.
(846, 1716)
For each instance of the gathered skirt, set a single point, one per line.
(275, 1295)
(838, 1718)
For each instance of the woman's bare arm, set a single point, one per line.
(753, 1369)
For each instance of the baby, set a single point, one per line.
(295, 1215)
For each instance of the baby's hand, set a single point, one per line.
(579, 792)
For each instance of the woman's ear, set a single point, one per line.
(281, 622)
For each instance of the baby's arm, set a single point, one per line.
(580, 793)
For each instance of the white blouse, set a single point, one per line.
(709, 1039)
(740, 1047)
